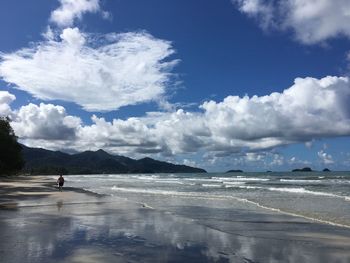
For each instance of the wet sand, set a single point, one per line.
(40, 224)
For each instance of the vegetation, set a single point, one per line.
(234, 171)
(42, 161)
(305, 169)
(11, 159)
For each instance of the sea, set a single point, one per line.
(323, 197)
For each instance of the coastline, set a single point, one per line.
(41, 224)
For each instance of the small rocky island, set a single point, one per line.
(326, 170)
(234, 171)
(305, 169)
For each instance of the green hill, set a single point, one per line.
(42, 161)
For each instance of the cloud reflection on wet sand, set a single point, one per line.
(105, 231)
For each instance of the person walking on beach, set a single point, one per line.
(60, 182)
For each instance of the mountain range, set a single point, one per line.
(42, 161)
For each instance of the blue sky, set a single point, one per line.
(181, 81)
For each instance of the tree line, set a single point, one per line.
(11, 160)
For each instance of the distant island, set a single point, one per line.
(234, 171)
(326, 170)
(42, 161)
(305, 169)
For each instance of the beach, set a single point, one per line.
(40, 224)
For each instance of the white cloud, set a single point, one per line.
(278, 160)
(100, 73)
(312, 21)
(257, 9)
(294, 161)
(325, 158)
(5, 99)
(309, 110)
(45, 122)
(190, 163)
(70, 10)
(309, 144)
(248, 161)
(131, 135)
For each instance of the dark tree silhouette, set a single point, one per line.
(11, 159)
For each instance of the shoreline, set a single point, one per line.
(316, 220)
(77, 225)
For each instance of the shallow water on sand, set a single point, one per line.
(109, 229)
(181, 218)
(320, 196)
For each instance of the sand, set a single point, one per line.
(40, 224)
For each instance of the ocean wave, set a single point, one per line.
(144, 191)
(145, 177)
(233, 183)
(324, 181)
(240, 179)
(202, 179)
(300, 181)
(117, 176)
(160, 192)
(305, 191)
(296, 214)
(298, 190)
(221, 197)
(250, 187)
(212, 185)
(173, 181)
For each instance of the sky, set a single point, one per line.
(232, 84)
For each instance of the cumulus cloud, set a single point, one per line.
(277, 160)
(5, 100)
(312, 21)
(98, 72)
(308, 110)
(325, 157)
(246, 160)
(131, 135)
(45, 122)
(294, 161)
(70, 10)
(190, 163)
(311, 108)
